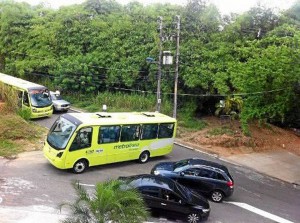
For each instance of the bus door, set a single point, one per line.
(84, 146)
(108, 140)
(25, 101)
(129, 142)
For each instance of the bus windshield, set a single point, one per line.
(40, 98)
(60, 133)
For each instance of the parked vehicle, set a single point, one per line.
(205, 177)
(59, 104)
(167, 197)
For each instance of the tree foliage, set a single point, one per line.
(101, 45)
(108, 203)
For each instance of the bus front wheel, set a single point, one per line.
(80, 166)
(144, 157)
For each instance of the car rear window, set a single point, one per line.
(150, 191)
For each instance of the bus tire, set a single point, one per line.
(80, 166)
(144, 157)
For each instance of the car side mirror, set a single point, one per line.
(182, 174)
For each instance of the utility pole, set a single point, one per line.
(176, 65)
(160, 25)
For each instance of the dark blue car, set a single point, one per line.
(205, 177)
(165, 196)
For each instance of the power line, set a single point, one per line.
(204, 95)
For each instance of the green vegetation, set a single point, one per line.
(117, 102)
(108, 203)
(221, 131)
(18, 135)
(100, 46)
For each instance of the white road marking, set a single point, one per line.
(260, 212)
(87, 185)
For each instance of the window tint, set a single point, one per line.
(109, 134)
(191, 172)
(170, 196)
(83, 139)
(206, 173)
(149, 131)
(166, 130)
(25, 99)
(219, 176)
(130, 133)
(150, 191)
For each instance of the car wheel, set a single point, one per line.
(193, 218)
(217, 196)
(144, 157)
(80, 166)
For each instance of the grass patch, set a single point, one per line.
(122, 102)
(191, 123)
(18, 135)
(221, 131)
(119, 102)
(8, 148)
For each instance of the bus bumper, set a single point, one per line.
(51, 155)
(42, 113)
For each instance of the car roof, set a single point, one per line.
(152, 180)
(208, 164)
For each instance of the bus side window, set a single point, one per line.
(149, 131)
(83, 139)
(166, 130)
(130, 133)
(25, 99)
(109, 134)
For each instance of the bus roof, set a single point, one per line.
(18, 82)
(115, 118)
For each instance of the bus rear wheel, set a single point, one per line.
(144, 157)
(80, 166)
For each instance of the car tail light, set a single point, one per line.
(230, 184)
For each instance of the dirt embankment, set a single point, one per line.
(226, 138)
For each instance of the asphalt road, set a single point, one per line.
(30, 181)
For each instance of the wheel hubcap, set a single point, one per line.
(79, 167)
(217, 196)
(144, 157)
(193, 218)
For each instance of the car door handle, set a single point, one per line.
(163, 204)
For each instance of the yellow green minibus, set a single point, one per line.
(31, 96)
(79, 140)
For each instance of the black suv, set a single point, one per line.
(165, 196)
(206, 177)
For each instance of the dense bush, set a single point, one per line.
(101, 46)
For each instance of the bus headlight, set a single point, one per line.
(34, 110)
(59, 154)
(156, 172)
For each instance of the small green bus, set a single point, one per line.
(79, 140)
(31, 96)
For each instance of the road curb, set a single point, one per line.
(213, 155)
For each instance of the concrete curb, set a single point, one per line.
(216, 156)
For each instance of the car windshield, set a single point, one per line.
(184, 191)
(60, 133)
(40, 98)
(180, 164)
(56, 97)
